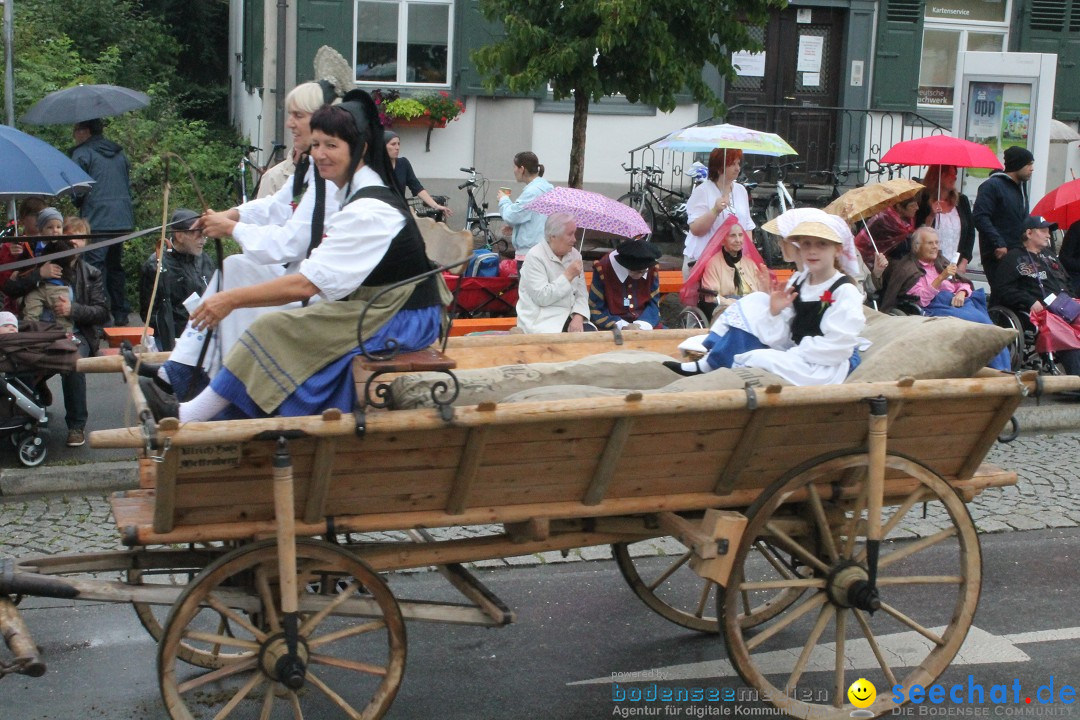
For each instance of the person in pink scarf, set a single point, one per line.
(726, 270)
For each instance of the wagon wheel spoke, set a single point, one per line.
(840, 685)
(852, 530)
(920, 580)
(361, 667)
(269, 607)
(911, 624)
(228, 613)
(268, 703)
(333, 696)
(218, 640)
(869, 635)
(822, 522)
(901, 512)
(823, 618)
(816, 601)
(769, 554)
(243, 692)
(312, 622)
(315, 642)
(792, 545)
(917, 546)
(705, 592)
(216, 675)
(294, 703)
(782, 584)
(670, 571)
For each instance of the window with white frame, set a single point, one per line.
(949, 27)
(404, 42)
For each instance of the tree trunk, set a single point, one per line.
(577, 139)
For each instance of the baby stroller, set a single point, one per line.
(27, 359)
(487, 287)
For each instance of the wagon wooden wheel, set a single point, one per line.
(900, 627)
(351, 639)
(152, 617)
(675, 592)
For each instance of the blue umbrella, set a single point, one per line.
(34, 167)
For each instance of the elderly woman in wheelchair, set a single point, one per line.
(722, 275)
(923, 282)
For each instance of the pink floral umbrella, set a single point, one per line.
(592, 211)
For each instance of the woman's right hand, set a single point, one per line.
(573, 269)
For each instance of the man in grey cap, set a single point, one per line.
(1001, 207)
(185, 269)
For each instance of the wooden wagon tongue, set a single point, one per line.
(27, 658)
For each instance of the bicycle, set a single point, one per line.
(765, 207)
(663, 209)
(248, 166)
(488, 229)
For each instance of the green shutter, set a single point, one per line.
(898, 55)
(1053, 26)
(318, 23)
(253, 43)
(472, 31)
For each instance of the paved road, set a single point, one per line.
(578, 625)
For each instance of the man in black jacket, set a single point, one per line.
(185, 269)
(1001, 208)
(1028, 274)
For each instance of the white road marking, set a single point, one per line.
(904, 649)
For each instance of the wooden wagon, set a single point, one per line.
(247, 562)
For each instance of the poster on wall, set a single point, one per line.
(1015, 120)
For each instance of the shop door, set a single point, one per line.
(792, 92)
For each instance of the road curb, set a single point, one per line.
(1058, 418)
(94, 476)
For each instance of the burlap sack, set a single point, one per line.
(725, 379)
(626, 369)
(722, 379)
(925, 347)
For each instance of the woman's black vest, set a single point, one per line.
(807, 322)
(406, 257)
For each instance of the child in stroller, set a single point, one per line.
(30, 355)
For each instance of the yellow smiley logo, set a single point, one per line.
(862, 693)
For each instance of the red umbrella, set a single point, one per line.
(942, 150)
(1061, 205)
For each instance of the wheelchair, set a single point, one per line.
(1022, 350)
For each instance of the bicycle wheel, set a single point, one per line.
(641, 202)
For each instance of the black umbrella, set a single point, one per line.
(84, 102)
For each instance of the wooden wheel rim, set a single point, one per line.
(938, 659)
(329, 557)
(692, 620)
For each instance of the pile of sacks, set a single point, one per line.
(917, 347)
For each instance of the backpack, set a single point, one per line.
(483, 263)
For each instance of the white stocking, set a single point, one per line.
(203, 407)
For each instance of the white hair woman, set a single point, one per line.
(300, 103)
(552, 296)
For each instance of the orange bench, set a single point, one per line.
(115, 336)
(464, 326)
(671, 281)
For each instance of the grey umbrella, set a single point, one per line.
(84, 102)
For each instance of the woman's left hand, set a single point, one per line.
(577, 324)
(212, 311)
(958, 298)
(445, 210)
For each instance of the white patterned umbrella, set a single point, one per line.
(592, 210)
(703, 138)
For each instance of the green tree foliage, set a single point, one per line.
(647, 50)
(59, 43)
